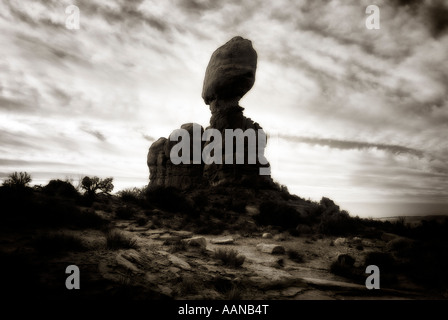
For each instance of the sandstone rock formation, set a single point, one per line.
(230, 74)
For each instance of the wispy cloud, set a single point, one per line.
(349, 145)
(96, 133)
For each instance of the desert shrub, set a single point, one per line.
(18, 180)
(16, 204)
(188, 286)
(314, 211)
(338, 223)
(238, 205)
(169, 199)
(54, 243)
(235, 293)
(142, 221)
(344, 266)
(60, 188)
(200, 200)
(157, 222)
(229, 257)
(125, 213)
(294, 255)
(177, 246)
(401, 246)
(134, 195)
(383, 260)
(90, 219)
(387, 265)
(277, 214)
(93, 184)
(117, 240)
(86, 200)
(284, 192)
(429, 264)
(209, 226)
(303, 229)
(54, 212)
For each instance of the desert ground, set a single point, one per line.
(215, 247)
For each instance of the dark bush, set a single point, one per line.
(60, 188)
(18, 180)
(344, 266)
(54, 212)
(210, 226)
(94, 184)
(142, 221)
(177, 245)
(277, 214)
(133, 195)
(382, 260)
(294, 255)
(387, 265)
(55, 243)
(116, 240)
(238, 206)
(90, 219)
(200, 200)
(429, 264)
(229, 257)
(338, 224)
(169, 199)
(125, 213)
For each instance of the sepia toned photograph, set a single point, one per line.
(242, 152)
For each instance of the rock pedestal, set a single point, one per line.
(230, 74)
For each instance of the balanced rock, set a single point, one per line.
(229, 76)
(230, 73)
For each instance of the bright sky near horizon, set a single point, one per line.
(356, 115)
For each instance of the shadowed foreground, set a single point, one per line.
(223, 242)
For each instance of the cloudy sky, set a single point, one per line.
(357, 115)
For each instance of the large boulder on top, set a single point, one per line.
(230, 73)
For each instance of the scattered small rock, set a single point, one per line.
(271, 248)
(267, 235)
(165, 290)
(183, 234)
(169, 237)
(138, 229)
(223, 241)
(340, 241)
(346, 259)
(173, 269)
(357, 240)
(291, 292)
(252, 210)
(151, 277)
(280, 237)
(196, 242)
(178, 262)
(123, 260)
